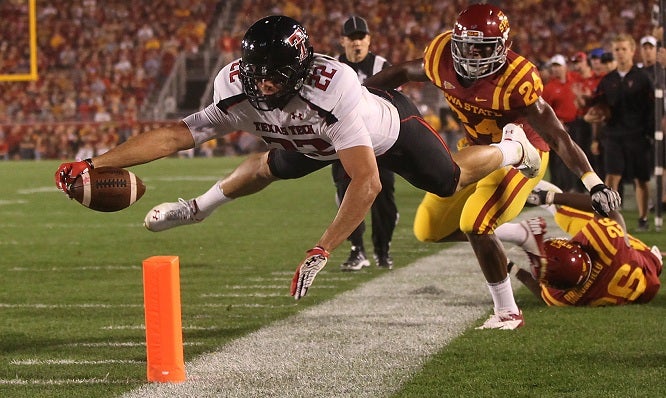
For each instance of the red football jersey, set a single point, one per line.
(621, 274)
(485, 106)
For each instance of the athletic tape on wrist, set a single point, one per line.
(590, 180)
(550, 196)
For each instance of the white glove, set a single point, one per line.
(307, 270)
(604, 199)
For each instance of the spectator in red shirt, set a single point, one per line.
(559, 94)
(586, 84)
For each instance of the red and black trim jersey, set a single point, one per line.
(487, 104)
(621, 274)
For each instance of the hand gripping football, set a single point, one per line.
(107, 189)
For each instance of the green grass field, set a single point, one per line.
(71, 301)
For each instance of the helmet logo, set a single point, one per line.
(504, 24)
(297, 40)
(560, 243)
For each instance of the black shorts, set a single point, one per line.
(419, 155)
(628, 157)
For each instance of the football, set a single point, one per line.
(598, 114)
(107, 189)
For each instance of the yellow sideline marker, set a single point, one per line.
(164, 332)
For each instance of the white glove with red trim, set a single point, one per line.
(307, 270)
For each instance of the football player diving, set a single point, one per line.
(311, 110)
(487, 85)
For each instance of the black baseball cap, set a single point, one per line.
(355, 25)
(606, 58)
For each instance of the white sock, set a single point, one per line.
(512, 233)
(502, 294)
(512, 152)
(210, 200)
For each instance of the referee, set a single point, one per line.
(384, 213)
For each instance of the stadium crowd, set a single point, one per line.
(98, 61)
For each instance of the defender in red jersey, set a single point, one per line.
(624, 269)
(489, 86)
(600, 265)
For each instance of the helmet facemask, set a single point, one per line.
(289, 80)
(477, 57)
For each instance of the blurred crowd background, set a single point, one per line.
(101, 61)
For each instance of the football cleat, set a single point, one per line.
(356, 260)
(535, 228)
(169, 215)
(384, 261)
(504, 321)
(530, 163)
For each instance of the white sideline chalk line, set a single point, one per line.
(143, 327)
(30, 191)
(288, 273)
(364, 342)
(40, 306)
(123, 344)
(32, 362)
(283, 286)
(258, 295)
(4, 202)
(61, 382)
(281, 279)
(56, 306)
(242, 305)
(84, 268)
(188, 178)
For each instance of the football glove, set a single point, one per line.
(539, 197)
(307, 270)
(604, 199)
(67, 173)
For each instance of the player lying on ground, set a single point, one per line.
(601, 264)
(311, 110)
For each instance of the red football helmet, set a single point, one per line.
(479, 42)
(564, 264)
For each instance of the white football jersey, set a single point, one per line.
(332, 111)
